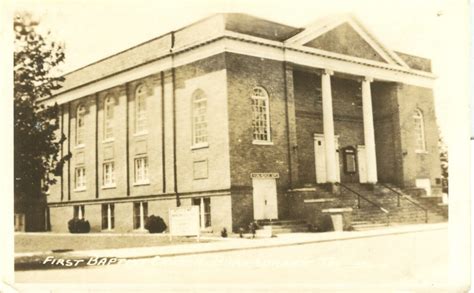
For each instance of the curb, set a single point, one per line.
(329, 236)
(275, 245)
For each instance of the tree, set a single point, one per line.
(36, 145)
(443, 155)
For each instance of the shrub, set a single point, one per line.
(155, 224)
(76, 225)
(224, 233)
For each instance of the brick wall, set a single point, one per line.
(85, 155)
(425, 164)
(204, 167)
(243, 74)
(59, 216)
(387, 133)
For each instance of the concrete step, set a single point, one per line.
(364, 226)
(280, 222)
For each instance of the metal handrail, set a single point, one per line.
(359, 196)
(399, 194)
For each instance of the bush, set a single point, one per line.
(155, 224)
(76, 225)
(224, 233)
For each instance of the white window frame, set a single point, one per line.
(109, 105)
(80, 124)
(109, 216)
(108, 174)
(79, 212)
(141, 112)
(205, 217)
(419, 131)
(142, 216)
(141, 175)
(260, 95)
(199, 128)
(80, 178)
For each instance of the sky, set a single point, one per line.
(92, 30)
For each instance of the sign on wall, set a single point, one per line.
(184, 221)
(264, 175)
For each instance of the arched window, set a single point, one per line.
(199, 104)
(260, 115)
(419, 131)
(80, 124)
(140, 113)
(108, 117)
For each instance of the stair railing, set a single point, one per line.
(359, 196)
(399, 194)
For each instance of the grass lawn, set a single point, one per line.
(36, 242)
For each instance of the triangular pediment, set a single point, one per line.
(345, 40)
(345, 35)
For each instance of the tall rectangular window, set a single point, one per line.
(204, 204)
(80, 178)
(141, 110)
(108, 219)
(199, 105)
(80, 124)
(140, 214)
(260, 115)
(108, 174)
(419, 131)
(141, 170)
(108, 117)
(79, 212)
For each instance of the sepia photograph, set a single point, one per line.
(276, 146)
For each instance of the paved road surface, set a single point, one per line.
(413, 258)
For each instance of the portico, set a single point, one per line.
(328, 126)
(336, 109)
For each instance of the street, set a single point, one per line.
(412, 258)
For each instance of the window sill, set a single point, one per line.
(109, 186)
(141, 183)
(140, 230)
(142, 133)
(108, 230)
(421, 152)
(199, 146)
(80, 189)
(108, 140)
(79, 146)
(262, 142)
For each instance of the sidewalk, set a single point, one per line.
(231, 244)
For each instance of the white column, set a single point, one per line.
(369, 136)
(328, 126)
(142, 217)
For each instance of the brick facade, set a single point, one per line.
(221, 168)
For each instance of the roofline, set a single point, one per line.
(143, 43)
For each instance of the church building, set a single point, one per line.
(236, 114)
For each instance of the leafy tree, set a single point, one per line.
(36, 145)
(443, 155)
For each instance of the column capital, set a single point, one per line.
(368, 79)
(328, 71)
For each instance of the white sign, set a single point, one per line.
(184, 221)
(264, 175)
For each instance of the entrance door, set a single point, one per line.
(320, 158)
(264, 198)
(362, 162)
